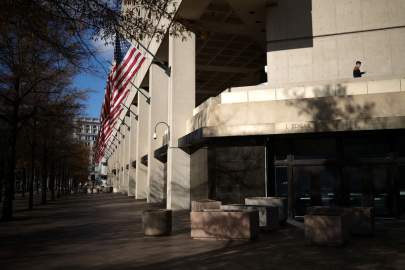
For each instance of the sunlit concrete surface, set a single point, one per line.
(104, 231)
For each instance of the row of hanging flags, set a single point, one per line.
(127, 62)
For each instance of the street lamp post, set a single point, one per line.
(168, 130)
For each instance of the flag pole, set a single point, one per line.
(123, 122)
(139, 90)
(155, 60)
(136, 116)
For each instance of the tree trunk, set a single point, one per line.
(31, 186)
(10, 175)
(58, 183)
(32, 178)
(52, 182)
(24, 182)
(31, 189)
(1, 179)
(44, 176)
(37, 177)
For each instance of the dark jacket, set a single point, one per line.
(357, 73)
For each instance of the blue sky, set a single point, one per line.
(95, 81)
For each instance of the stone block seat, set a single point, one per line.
(361, 220)
(327, 226)
(108, 189)
(280, 202)
(201, 205)
(157, 222)
(268, 215)
(217, 224)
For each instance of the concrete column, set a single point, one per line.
(119, 163)
(132, 152)
(141, 147)
(123, 159)
(181, 102)
(116, 168)
(109, 171)
(158, 90)
(126, 153)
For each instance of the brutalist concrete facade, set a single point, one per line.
(306, 130)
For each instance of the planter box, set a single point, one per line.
(224, 225)
(157, 222)
(361, 220)
(268, 215)
(327, 226)
(108, 189)
(280, 202)
(202, 205)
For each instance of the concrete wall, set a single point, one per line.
(229, 174)
(310, 40)
(338, 113)
(199, 174)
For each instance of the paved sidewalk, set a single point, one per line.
(104, 231)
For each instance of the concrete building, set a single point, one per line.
(261, 101)
(87, 130)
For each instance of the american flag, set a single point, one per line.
(127, 62)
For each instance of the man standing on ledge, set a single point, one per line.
(356, 71)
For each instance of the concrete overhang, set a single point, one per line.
(161, 153)
(231, 43)
(383, 111)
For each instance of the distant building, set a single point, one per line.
(87, 130)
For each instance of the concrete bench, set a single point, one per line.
(361, 220)
(157, 222)
(108, 189)
(268, 215)
(224, 225)
(201, 205)
(280, 202)
(327, 226)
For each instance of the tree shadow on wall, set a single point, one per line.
(239, 173)
(339, 112)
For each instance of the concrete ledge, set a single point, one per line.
(385, 86)
(224, 225)
(268, 215)
(328, 230)
(201, 205)
(361, 220)
(278, 202)
(157, 222)
(352, 88)
(315, 91)
(290, 93)
(204, 134)
(209, 102)
(262, 95)
(265, 92)
(233, 97)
